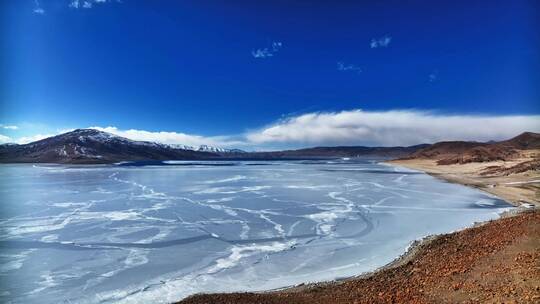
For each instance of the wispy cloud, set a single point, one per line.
(5, 139)
(267, 51)
(32, 138)
(341, 66)
(75, 4)
(86, 4)
(167, 137)
(80, 4)
(9, 127)
(261, 53)
(380, 42)
(353, 127)
(37, 8)
(388, 128)
(433, 76)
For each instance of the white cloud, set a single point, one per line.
(81, 4)
(353, 127)
(268, 51)
(433, 76)
(29, 139)
(5, 139)
(341, 66)
(74, 4)
(38, 9)
(390, 128)
(173, 137)
(8, 127)
(380, 42)
(261, 53)
(87, 3)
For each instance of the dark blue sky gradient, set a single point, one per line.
(187, 65)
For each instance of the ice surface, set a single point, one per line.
(139, 234)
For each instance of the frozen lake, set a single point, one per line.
(131, 234)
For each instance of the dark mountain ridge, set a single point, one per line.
(92, 147)
(340, 151)
(89, 146)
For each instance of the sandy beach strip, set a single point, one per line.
(516, 189)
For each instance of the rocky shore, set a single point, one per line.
(492, 262)
(496, 262)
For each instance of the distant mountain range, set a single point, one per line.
(339, 151)
(89, 146)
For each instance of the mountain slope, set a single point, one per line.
(93, 146)
(460, 152)
(524, 141)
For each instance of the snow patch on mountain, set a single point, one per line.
(204, 148)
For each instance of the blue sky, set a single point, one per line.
(236, 72)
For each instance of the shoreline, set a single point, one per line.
(451, 261)
(413, 251)
(509, 188)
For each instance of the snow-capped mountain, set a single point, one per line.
(182, 147)
(206, 148)
(93, 146)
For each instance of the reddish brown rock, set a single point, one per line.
(494, 263)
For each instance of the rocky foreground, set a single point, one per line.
(498, 262)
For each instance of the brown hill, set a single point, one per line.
(445, 149)
(524, 141)
(460, 152)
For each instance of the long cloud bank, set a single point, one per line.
(357, 127)
(390, 128)
(354, 127)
